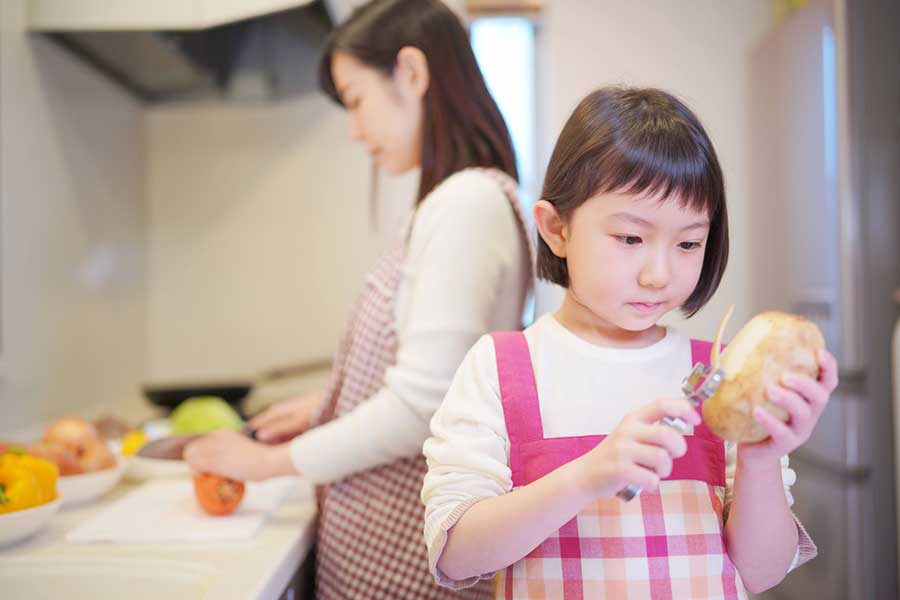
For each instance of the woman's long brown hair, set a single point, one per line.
(462, 125)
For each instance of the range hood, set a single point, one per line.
(163, 50)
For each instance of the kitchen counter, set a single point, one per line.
(259, 568)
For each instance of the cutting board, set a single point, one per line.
(165, 511)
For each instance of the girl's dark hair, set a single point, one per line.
(462, 124)
(638, 141)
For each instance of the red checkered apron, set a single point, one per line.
(370, 541)
(664, 544)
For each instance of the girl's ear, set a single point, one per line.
(411, 71)
(551, 227)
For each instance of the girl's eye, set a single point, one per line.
(689, 245)
(629, 240)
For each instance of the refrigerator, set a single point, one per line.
(825, 166)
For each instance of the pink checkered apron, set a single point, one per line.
(370, 541)
(664, 544)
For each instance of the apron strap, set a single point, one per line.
(518, 390)
(522, 413)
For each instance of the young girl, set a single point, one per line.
(541, 429)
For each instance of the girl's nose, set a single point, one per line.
(655, 273)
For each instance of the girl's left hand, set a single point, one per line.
(230, 454)
(804, 398)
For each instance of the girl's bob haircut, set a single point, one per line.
(638, 141)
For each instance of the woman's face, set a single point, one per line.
(385, 112)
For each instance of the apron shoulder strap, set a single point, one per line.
(518, 390)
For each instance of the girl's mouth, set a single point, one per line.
(645, 307)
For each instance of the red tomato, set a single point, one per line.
(218, 495)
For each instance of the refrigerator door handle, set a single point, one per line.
(895, 374)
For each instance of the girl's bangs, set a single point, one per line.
(669, 168)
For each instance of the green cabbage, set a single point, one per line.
(203, 414)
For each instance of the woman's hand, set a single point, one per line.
(805, 399)
(285, 420)
(233, 455)
(640, 450)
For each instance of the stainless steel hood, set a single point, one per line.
(164, 50)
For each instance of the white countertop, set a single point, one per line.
(259, 568)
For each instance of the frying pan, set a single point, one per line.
(170, 394)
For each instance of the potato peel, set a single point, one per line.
(715, 359)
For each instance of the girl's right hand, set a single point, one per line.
(639, 451)
(285, 420)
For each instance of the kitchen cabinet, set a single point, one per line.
(300, 587)
(102, 15)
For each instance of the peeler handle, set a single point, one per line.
(694, 395)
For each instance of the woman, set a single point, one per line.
(405, 72)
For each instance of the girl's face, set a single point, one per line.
(385, 112)
(631, 258)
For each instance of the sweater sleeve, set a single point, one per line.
(465, 248)
(467, 454)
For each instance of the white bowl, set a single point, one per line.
(142, 468)
(78, 489)
(17, 526)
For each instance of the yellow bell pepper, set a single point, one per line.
(26, 481)
(46, 473)
(133, 441)
(19, 488)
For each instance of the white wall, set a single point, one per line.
(261, 235)
(700, 51)
(260, 228)
(73, 233)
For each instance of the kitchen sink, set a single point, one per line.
(103, 578)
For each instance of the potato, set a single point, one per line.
(769, 345)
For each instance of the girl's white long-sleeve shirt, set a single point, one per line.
(464, 274)
(583, 389)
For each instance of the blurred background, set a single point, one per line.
(179, 201)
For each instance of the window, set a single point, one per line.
(504, 47)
